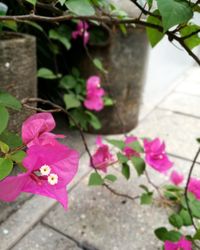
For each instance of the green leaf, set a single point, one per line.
(176, 220)
(33, 2)
(146, 198)
(94, 120)
(9, 101)
(68, 82)
(197, 235)
(154, 35)
(4, 147)
(4, 118)
(35, 25)
(98, 64)
(6, 167)
(71, 101)
(139, 165)
(46, 74)
(3, 9)
(11, 139)
(62, 34)
(10, 24)
(117, 143)
(184, 214)
(95, 180)
(174, 12)
(110, 177)
(80, 7)
(173, 188)
(122, 158)
(136, 146)
(18, 156)
(145, 188)
(108, 101)
(126, 170)
(194, 40)
(163, 234)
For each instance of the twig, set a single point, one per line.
(186, 188)
(120, 194)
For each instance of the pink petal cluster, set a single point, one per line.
(50, 166)
(102, 158)
(82, 31)
(156, 156)
(194, 187)
(36, 130)
(182, 244)
(128, 151)
(176, 178)
(94, 94)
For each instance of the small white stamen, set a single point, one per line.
(53, 179)
(45, 170)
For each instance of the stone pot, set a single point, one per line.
(125, 58)
(18, 71)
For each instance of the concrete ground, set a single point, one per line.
(97, 219)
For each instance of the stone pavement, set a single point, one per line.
(96, 219)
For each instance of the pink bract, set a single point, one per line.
(62, 162)
(156, 156)
(36, 130)
(194, 187)
(176, 178)
(128, 151)
(81, 30)
(102, 157)
(182, 244)
(94, 94)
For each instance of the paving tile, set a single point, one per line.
(189, 87)
(184, 103)
(178, 131)
(17, 225)
(8, 208)
(43, 238)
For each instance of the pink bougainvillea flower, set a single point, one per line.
(82, 31)
(94, 100)
(36, 130)
(49, 170)
(176, 178)
(128, 151)
(194, 187)
(156, 156)
(182, 244)
(102, 157)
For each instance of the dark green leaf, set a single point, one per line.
(68, 82)
(176, 220)
(194, 40)
(161, 233)
(18, 156)
(174, 12)
(139, 165)
(94, 120)
(6, 167)
(126, 170)
(136, 146)
(184, 214)
(95, 180)
(61, 34)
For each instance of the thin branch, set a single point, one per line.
(126, 196)
(186, 187)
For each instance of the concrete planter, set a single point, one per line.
(18, 71)
(125, 57)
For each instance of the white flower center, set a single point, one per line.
(45, 170)
(53, 179)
